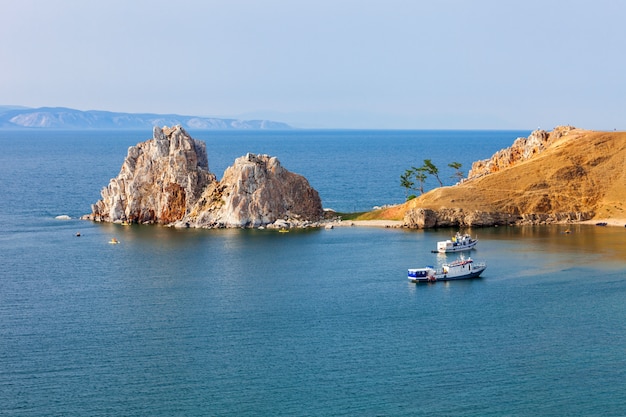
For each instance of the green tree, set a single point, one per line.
(410, 178)
(420, 176)
(405, 181)
(431, 169)
(458, 174)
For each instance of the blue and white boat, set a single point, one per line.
(457, 270)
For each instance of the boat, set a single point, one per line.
(457, 243)
(114, 241)
(460, 269)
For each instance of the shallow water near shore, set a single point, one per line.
(310, 322)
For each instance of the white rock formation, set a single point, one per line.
(256, 190)
(166, 180)
(159, 181)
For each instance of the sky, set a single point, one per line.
(353, 64)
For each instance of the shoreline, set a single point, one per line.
(368, 223)
(609, 222)
(400, 223)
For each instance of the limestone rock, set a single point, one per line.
(166, 180)
(256, 191)
(420, 218)
(159, 181)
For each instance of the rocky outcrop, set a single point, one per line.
(255, 191)
(422, 218)
(522, 149)
(160, 180)
(166, 180)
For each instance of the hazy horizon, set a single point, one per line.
(324, 64)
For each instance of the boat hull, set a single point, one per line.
(447, 277)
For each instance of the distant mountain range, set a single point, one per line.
(14, 117)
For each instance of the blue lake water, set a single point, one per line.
(314, 322)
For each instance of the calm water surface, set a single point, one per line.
(317, 322)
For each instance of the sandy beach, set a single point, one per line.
(368, 223)
(609, 222)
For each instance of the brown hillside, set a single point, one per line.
(578, 171)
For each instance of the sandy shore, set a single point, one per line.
(609, 222)
(368, 223)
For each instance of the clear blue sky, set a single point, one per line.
(410, 64)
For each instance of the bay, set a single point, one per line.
(311, 322)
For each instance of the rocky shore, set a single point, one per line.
(428, 218)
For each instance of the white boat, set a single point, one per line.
(459, 269)
(458, 243)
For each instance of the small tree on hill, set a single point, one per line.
(420, 176)
(405, 181)
(431, 169)
(409, 179)
(458, 174)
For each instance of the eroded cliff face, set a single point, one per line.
(159, 181)
(166, 180)
(423, 218)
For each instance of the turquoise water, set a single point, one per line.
(316, 322)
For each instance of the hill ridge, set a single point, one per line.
(14, 117)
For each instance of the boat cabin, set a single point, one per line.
(421, 272)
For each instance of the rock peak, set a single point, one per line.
(256, 190)
(159, 181)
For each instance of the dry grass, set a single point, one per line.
(584, 171)
(389, 213)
